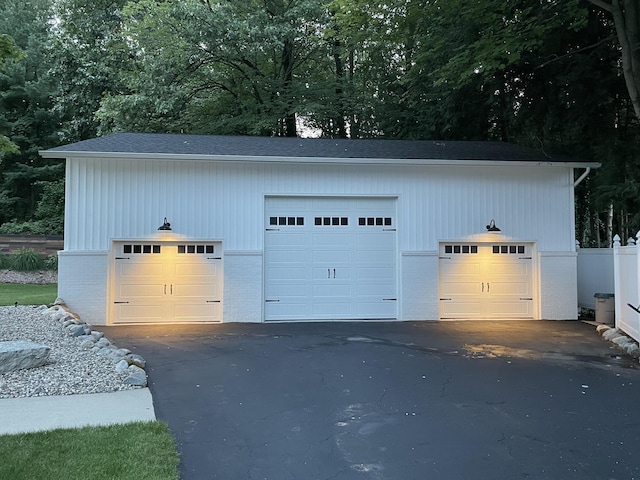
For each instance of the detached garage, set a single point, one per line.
(166, 228)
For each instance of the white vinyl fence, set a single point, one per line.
(626, 265)
(595, 274)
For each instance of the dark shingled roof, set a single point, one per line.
(246, 146)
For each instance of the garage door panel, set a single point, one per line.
(510, 288)
(291, 239)
(331, 257)
(511, 309)
(328, 309)
(485, 281)
(132, 269)
(376, 310)
(448, 268)
(376, 240)
(171, 282)
(290, 273)
(509, 268)
(290, 256)
(138, 313)
(288, 310)
(206, 291)
(140, 290)
(342, 255)
(332, 291)
(198, 311)
(460, 308)
(461, 288)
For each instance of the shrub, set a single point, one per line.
(26, 260)
(51, 262)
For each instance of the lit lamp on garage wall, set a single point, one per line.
(490, 228)
(165, 227)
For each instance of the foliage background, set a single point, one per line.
(545, 74)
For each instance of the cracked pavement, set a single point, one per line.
(411, 400)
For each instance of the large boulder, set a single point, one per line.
(21, 354)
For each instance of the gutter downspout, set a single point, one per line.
(582, 177)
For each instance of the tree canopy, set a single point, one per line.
(560, 76)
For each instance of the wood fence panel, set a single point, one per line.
(43, 244)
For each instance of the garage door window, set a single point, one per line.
(286, 220)
(140, 248)
(331, 221)
(460, 249)
(195, 249)
(509, 249)
(374, 221)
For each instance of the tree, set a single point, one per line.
(89, 60)
(27, 117)
(626, 17)
(8, 51)
(229, 67)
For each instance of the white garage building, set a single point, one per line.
(289, 229)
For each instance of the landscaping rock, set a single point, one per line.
(137, 376)
(18, 355)
(136, 360)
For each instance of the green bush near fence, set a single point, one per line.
(28, 260)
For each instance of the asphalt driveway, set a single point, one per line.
(429, 400)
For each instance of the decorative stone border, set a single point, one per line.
(94, 340)
(626, 343)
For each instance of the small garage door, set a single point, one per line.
(330, 258)
(167, 282)
(486, 280)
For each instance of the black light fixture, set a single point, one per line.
(491, 227)
(166, 226)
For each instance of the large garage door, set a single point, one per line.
(486, 280)
(330, 258)
(167, 282)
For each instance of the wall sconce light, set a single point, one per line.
(491, 227)
(166, 226)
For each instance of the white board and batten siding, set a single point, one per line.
(233, 201)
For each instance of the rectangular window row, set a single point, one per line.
(374, 221)
(508, 249)
(460, 249)
(286, 220)
(195, 248)
(333, 221)
(140, 248)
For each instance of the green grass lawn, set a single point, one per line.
(28, 294)
(135, 451)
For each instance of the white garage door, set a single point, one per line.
(486, 280)
(167, 282)
(330, 258)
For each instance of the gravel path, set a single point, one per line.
(71, 369)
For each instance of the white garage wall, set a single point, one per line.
(117, 198)
(83, 283)
(129, 198)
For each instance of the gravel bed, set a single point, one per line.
(71, 369)
(40, 276)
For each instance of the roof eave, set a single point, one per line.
(309, 160)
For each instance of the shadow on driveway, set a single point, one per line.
(414, 400)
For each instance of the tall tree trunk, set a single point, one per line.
(339, 123)
(290, 129)
(627, 22)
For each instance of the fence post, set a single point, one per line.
(637, 276)
(616, 281)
